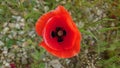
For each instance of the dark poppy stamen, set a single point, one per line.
(60, 39)
(58, 28)
(64, 32)
(59, 33)
(53, 34)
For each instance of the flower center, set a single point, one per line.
(59, 33)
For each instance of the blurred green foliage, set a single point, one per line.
(105, 36)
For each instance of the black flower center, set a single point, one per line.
(59, 33)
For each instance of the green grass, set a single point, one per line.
(105, 32)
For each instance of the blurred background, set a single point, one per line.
(97, 20)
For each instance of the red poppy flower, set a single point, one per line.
(60, 34)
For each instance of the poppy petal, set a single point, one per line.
(42, 21)
(52, 42)
(73, 51)
(61, 11)
(67, 53)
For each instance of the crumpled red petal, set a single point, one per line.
(68, 40)
(60, 10)
(41, 22)
(67, 53)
